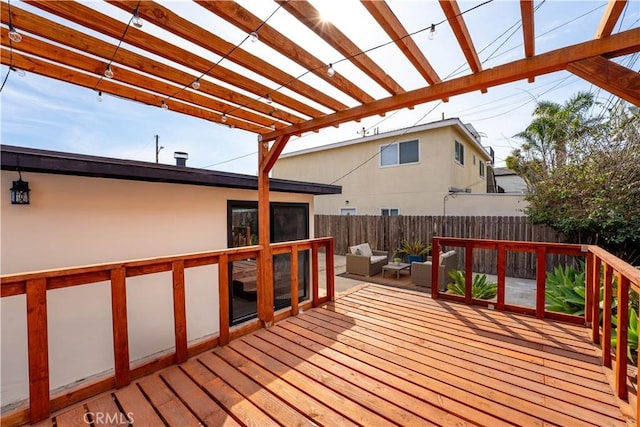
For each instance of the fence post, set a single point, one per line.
(120, 328)
(595, 325)
(223, 298)
(622, 336)
(435, 262)
(38, 350)
(606, 316)
(541, 273)
(294, 280)
(179, 311)
(588, 312)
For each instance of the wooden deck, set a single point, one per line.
(378, 356)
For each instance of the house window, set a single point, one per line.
(482, 169)
(459, 153)
(474, 160)
(390, 211)
(400, 153)
(348, 211)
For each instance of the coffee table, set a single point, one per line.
(395, 267)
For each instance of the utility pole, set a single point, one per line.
(158, 148)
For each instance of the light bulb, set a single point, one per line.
(18, 71)
(330, 71)
(100, 96)
(137, 21)
(268, 99)
(432, 32)
(108, 72)
(254, 36)
(164, 105)
(14, 35)
(196, 84)
(223, 118)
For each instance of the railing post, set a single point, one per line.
(468, 273)
(606, 316)
(38, 350)
(331, 289)
(223, 297)
(294, 280)
(120, 331)
(595, 325)
(435, 262)
(589, 285)
(179, 311)
(502, 273)
(622, 336)
(541, 277)
(314, 273)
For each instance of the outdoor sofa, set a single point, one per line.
(421, 271)
(361, 260)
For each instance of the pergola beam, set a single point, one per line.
(608, 75)
(309, 16)
(528, 33)
(549, 62)
(385, 17)
(610, 17)
(456, 21)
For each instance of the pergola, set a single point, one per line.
(76, 43)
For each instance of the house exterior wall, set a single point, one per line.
(511, 183)
(488, 204)
(414, 189)
(74, 221)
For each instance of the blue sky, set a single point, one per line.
(44, 113)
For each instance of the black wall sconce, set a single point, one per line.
(20, 191)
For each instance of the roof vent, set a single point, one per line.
(181, 158)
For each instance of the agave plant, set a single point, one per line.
(565, 290)
(480, 289)
(416, 247)
(632, 334)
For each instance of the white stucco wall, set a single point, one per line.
(75, 221)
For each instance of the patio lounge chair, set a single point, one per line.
(421, 271)
(363, 261)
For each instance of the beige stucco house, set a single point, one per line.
(412, 171)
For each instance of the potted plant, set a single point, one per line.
(414, 250)
(397, 260)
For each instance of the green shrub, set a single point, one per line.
(565, 290)
(632, 334)
(481, 289)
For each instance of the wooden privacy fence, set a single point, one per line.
(388, 232)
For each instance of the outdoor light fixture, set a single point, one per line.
(137, 21)
(164, 105)
(20, 191)
(268, 99)
(108, 72)
(100, 96)
(330, 71)
(223, 118)
(196, 84)
(254, 36)
(432, 32)
(14, 35)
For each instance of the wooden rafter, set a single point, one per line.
(96, 21)
(243, 19)
(383, 14)
(308, 15)
(528, 34)
(172, 22)
(549, 62)
(610, 17)
(456, 21)
(608, 75)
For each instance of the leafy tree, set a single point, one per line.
(583, 173)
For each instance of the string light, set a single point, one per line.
(268, 99)
(196, 84)
(137, 21)
(99, 96)
(330, 71)
(432, 32)
(108, 72)
(223, 119)
(14, 35)
(254, 36)
(18, 71)
(164, 105)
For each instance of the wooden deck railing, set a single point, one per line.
(601, 268)
(36, 285)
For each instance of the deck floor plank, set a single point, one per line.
(380, 356)
(104, 412)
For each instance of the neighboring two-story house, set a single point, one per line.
(412, 171)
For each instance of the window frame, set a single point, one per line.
(483, 169)
(396, 147)
(355, 211)
(389, 213)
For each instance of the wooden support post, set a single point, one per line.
(265, 261)
(315, 277)
(595, 325)
(179, 311)
(589, 285)
(468, 273)
(120, 331)
(329, 265)
(294, 281)
(502, 273)
(38, 349)
(541, 279)
(606, 316)
(622, 336)
(223, 296)
(435, 271)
